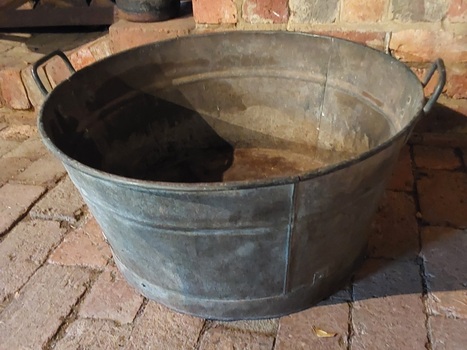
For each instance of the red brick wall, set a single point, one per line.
(415, 31)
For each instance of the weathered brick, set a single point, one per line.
(23, 251)
(56, 71)
(111, 298)
(267, 326)
(223, 338)
(445, 118)
(62, 203)
(429, 157)
(31, 149)
(35, 315)
(407, 11)
(11, 167)
(321, 327)
(94, 335)
(20, 117)
(402, 177)
(82, 57)
(265, 11)
(443, 250)
(456, 84)
(457, 11)
(448, 333)
(389, 304)
(215, 11)
(419, 10)
(161, 328)
(443, 197)
(372, 39)
(126, 35)
(15, 200)
(7, 146)
(44, 171)
(421, 45)
(18, 132)
(13, 93)
(363, 11)
(84, 247)
(101, 49)
(394, 231)
(34, 94)
(313, 11)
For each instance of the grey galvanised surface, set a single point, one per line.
(150, 137)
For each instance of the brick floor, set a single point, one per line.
(59, 288)
(111, 298)
(84, 246)
(62, 203)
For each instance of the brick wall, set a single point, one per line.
(415, 31)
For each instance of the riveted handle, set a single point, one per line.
(438, 65)
(44, 59)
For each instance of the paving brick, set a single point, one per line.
(428, 157)
(56, 71)
(111, 297)
(84, 247)
(443, 250)
(82, 57)
(421, 45)
(44, 171)
(215, 11)
(448, 333)
(443, 197)
(448, 118)
(101, 48)
(23, 251)
(226, 339)
(394, 231)
(321, 327)
(94, 335)
(13, 93)
(389, 311)
(15, 200)
(35, 315)
(457, 11)
(32, 149)
(11, 167)
(126, 35)
(456, 85)
(265, 11)
(63, 203)
(34, 94)
(363, 11)
(161, 328)
(314, 11)
(402, 176)
(7, 146)
(18, 132)
(17, 118)
(268, 326)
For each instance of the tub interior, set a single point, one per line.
(231, 107)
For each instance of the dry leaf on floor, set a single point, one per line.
(322, 333)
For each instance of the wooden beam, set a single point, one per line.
(54, 17)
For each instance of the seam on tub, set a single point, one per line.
(286, 288)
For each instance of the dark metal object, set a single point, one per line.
(438, 65)
(148, 10)
(235, 175)
(43, 60)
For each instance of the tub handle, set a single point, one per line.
(438, 65)
(44, 59)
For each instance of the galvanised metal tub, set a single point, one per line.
(235, 174)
